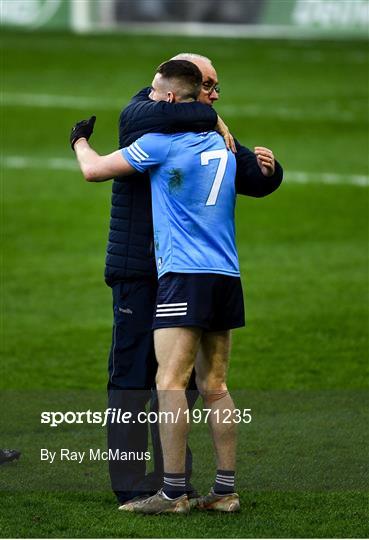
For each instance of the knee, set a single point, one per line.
(211, 390)
(210, 382)
(170, 381)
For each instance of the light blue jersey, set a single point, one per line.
(193, 199)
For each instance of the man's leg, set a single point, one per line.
(192, 394)
(176, 349)
(211, 374)
(132, 369)
(128, 437)
(211, 371)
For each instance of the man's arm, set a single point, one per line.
(253, 178)
(146, 152)
(143, 115)
(257, 174)
(96, 168)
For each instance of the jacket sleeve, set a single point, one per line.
(143, 115)
(142, 95)
(249, 178)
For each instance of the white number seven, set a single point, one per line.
(222, 155)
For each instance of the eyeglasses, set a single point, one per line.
(209, 88)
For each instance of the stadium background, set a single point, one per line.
(303, 251)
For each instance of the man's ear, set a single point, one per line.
(171, 97)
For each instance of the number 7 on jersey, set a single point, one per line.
(222, 155)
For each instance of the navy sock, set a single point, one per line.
(224, 482)
(174, 485)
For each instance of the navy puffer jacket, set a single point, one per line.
(130, 253)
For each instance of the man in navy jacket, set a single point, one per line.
(131, 272)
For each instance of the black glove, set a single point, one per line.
(84, 128)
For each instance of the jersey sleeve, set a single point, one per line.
(148, 151)
(142, 95)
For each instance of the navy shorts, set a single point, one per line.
(213, 302)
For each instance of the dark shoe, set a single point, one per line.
(6, 455)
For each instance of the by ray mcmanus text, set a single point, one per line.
(91, 454)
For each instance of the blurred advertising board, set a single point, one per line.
(264, 18)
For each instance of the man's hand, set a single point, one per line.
(265, 160)
(84, 129)
(223, 130)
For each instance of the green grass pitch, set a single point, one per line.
(303, 253)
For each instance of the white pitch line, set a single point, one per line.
(297, 177)
(329, 112)
(55, 101)
(289, 113)
(304, 177)
(24, 162)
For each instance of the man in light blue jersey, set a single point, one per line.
(189, 172)
(199, 296)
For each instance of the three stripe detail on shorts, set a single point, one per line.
(171, 310)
